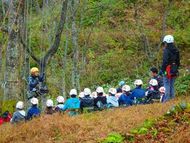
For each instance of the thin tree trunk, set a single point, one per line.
(64, 62)
(75, 73)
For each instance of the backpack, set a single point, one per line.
(172, 67)
(172, 71)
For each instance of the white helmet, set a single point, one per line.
(112, 91)
(168, 39)
(20, 105)
(162, 89)
(138, 82)
(34, 101)
(73, 92)
(94, 94)
(60, 99)
(153, 82)
(49, 103)
(87, 91)
(100, 90)
(126, 88)
(81, 94)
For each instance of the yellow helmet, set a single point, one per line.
(34, 69)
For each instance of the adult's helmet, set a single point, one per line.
(100, 90)
(126, 88)
(49, 103)
(153, 82)
(73, 92)
(34, 101)
(87, 91)
(168, 39)
(60, 99)
(20, 105)
(112, 91)
(34, 69)
(138, 82)
(122, 83)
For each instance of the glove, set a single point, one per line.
(41, 77)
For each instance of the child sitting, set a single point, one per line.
(20, 114)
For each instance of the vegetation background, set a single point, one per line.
(103, 42)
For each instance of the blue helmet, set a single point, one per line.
(122, 83)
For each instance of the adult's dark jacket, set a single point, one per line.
(170, 55)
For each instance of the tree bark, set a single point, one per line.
(11, 76)
(75, 72)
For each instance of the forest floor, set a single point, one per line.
(92, 127)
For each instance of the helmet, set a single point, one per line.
(162, 89)
(81, 94)
(138, 82)
(20, 105)
(34, 101)
(153, 82)
(34, 69)
(87, 91)
(100, 90)
(60, 99)
(112, 91)
(168, 39)
(126, 88)
(122, 83)
(73, 92)
(49, 103)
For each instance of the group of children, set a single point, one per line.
(88, 101)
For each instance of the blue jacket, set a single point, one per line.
(138, 92)
(18, 116)
(33, 112)
(125, 100)
(72, 103)
(34, 81)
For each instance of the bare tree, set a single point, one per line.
(43, 61)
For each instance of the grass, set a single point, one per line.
(92, 127)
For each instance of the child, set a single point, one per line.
(87, 102)
(60, 105)
(72, 104)
(20, 114)
(112, 100)
(49, 107)
(34, 111)
(100, 101)
(154, 74)
(138, 93)
(125, 98)
(152, 93)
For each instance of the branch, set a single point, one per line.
(53, 49)
(28, 50)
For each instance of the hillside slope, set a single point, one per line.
(83, 128)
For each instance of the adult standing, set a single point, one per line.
(170, 65)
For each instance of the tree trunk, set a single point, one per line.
(11, 76)
(75, 72)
